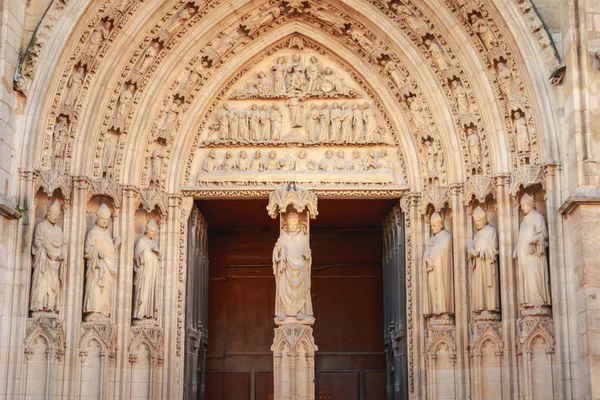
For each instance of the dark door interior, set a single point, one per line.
(347, 290)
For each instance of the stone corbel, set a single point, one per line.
(558, 75)
(595, 59)
(8, 209)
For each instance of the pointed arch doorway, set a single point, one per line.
(357, 301)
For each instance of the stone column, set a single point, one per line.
(294, 346)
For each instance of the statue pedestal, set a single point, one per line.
(294, 362)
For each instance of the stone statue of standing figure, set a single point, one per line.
(49, 251)
(438, 301)
(101, 255)
(530, 253)
(291, 265)
(147, 268)
(483, 254)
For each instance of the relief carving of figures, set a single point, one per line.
(437, 54)
(276, 123)
(327, 163)
(255, 131)
(370, 123)
(347, 117)
(341, 164)
(109, 157)
(292, 268)
(272, 164)
(97, 38)
(312, 122)
(156, 165)
(287, 163)
(358, 123)
(324, 121)
(243, 164)
(336, 123)
(328, 18)
(369, 163)
(296, 75)
(474, 146)
(147, 260)
(49, 251)
(408, 16)
(180, 18)
(74, 85)
(279, 76)
(253, 24)
(234, 124)
(397, 77)
(148, 58)
(257, 163)
(431, 158)
(228, 164)
(368, 45)
(166, 129)
(356, 163)
(507, 84)
(243, 117)
(462, 99)
(531, 256)
(265, 122)
(210, 164)
(123, 105)
(482, 29)
(439, 283)
(331, 85)
(101, 255)
(523, 142)
(303, 164)
(223, 119)
(483, 253)
(296, 105)
(312, 75)
(59, 137)
(223, 46)
(189, 81)
(384, 162)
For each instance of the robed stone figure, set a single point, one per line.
(483, 253)
(530, 254)
(291, 265)
(49, 251)
(101, 255)
(147, 267)
(437, 260)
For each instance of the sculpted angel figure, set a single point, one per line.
(462, 99)
(124, 102)
(291, 265)
(438, 264)
(59, 137)
(254, 24)
(166, 129)
(506, 81)
(392, 70)
(49, 251)
(279, 76)
(474, 146)
(147, 266)
(101, 255)
(408, 16)
(523, 142)
(179, 19)
(100, 34)
(437, 54)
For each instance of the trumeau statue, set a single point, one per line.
(49, 251)
(147, 268)
(291, 265)
(438, 299)
(531, 257)
(483, 252)
(101, 255)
